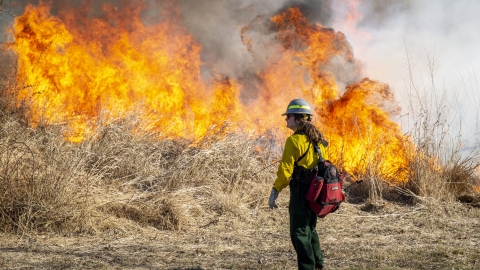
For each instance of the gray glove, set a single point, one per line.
(273, 197)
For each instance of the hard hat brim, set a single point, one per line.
(285, 113)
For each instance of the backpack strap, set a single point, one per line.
(308, 148)
(320, 157)
(302, 156)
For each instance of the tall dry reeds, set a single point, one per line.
(440, 163)
(441, 166)
(44, 184)
(123, 175)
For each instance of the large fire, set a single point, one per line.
(112, 64)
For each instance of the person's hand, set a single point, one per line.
(273, 197)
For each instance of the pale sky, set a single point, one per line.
(447, 30)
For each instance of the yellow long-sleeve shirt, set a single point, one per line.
(295, 146)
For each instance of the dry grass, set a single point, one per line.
(131, 198)
(441, 167)
(122, 176)
(445, 236)
(439, 171)
(124, 199)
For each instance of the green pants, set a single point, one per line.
(302, 228)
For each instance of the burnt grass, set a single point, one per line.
(392, 235)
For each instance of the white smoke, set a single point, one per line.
(218, 25)
(443, 30)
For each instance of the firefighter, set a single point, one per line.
(299, 157)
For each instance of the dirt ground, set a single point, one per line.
(424, 236)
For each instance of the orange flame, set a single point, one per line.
(70, 73)
(360, 129)
(67, 73)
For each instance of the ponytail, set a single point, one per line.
(310, 130)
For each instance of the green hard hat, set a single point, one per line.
(298, 106)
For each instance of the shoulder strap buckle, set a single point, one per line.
(320, 157)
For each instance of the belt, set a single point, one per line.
(302, 175)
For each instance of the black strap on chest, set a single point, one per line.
(308, 148)
(300, 173)
(314, 145)
(302, 156)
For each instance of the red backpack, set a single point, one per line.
(325, 192)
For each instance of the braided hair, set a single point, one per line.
(310, 130)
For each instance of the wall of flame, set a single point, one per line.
(76, 68)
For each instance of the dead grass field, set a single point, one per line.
(126, 200)
(440, 236)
